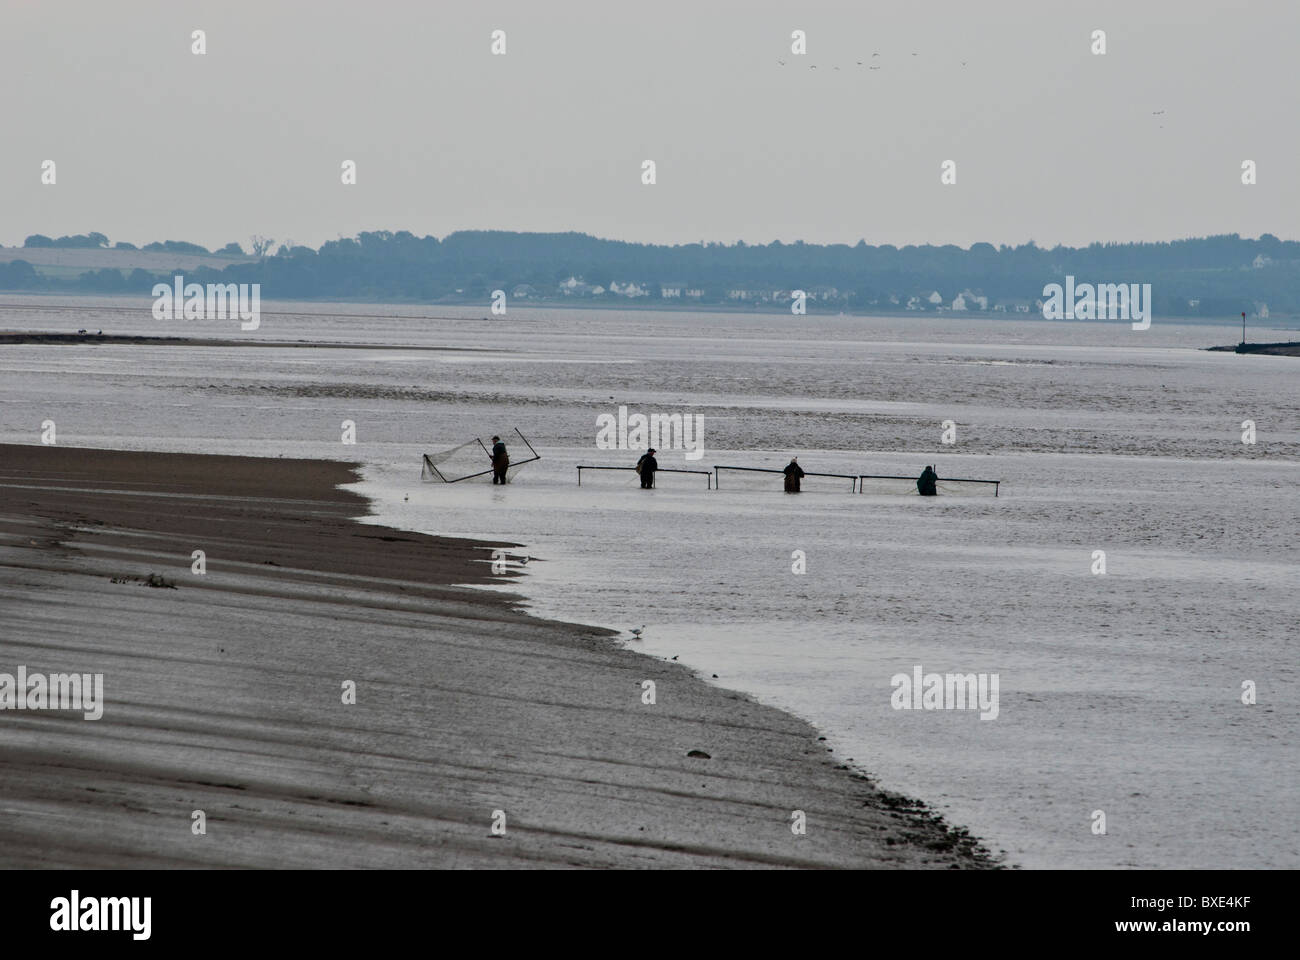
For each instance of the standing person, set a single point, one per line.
(925, 483)
(793, 472)
(647, 466)
(500, 461)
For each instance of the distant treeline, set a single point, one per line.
(1211, 276)
(97, 241)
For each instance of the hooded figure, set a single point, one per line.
(500, 461)
(647, 466)
(925, 484)
(793, 472)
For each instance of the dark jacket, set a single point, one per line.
(648, 464)
(500, 459)
(925, 484)
(793, 473)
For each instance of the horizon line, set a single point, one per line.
(702, 243)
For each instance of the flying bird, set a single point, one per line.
(780, 61)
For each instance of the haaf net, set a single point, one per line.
(472, 462)
(893, 486)
(772, 479)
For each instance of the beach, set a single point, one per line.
(224, 693)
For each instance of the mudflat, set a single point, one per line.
(224, 698)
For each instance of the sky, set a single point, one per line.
(1051, 142)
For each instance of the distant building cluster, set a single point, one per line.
(829, 296)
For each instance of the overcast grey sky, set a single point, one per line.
(1051, 142)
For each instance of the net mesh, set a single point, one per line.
(630, 478)
(957, 488)
(886, 486)
(455, 462)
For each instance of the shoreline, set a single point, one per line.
(223, 695)
(1289, 348)
(630, 305)
(58, 339)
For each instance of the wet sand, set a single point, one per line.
(224, 694)
(66, 339)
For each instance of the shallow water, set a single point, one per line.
(1118, 692)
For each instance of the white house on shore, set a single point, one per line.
(573, 287)
(966, 300)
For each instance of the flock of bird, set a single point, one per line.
(813, 66)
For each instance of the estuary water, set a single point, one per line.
(1120, 692)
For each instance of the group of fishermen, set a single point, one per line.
(647, 466)
(926, 484)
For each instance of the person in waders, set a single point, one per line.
(646, 467)
(793, 473)
(500, 461)
(925, 483)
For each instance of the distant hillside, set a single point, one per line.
(1220, 276)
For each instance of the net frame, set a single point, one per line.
(940, 481)
(717, 475)
(429, 471)
(708, 474)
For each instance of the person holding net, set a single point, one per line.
(646, 467)
(793, 474)
(500, 461)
